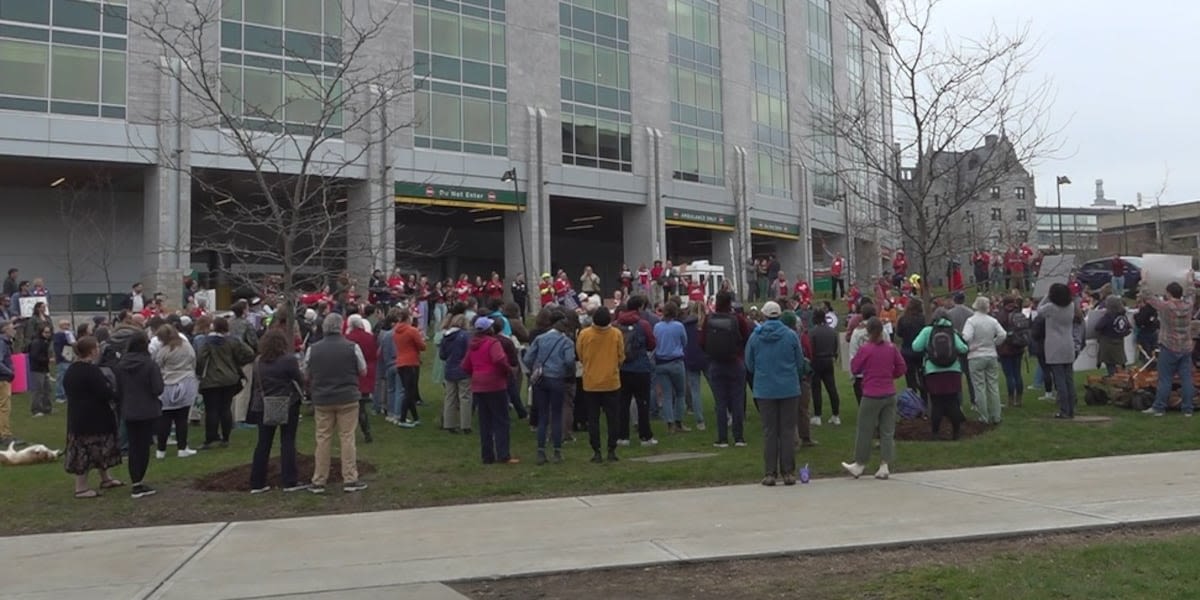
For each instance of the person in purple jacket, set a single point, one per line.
(879, 364)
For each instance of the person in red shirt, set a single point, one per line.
(562, 287)
(546, 290)
(1074, 285)
(853, 296)
(1118, 275)
(695, 289)
(835, 272)
(779, 287)
(462, 289)
(495, 287)
(899, 267)
(395, 280)
(804, 292)
(643, 275)
(1016, 269)
(956, 278)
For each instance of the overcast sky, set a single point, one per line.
(1127, 76)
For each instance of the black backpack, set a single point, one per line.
(722, 337)
(1120, 326)
(635, 341)
(941, 350)
(1020, 331)
(1039, 329)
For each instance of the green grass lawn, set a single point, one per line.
(426, 466)
(1126, 569)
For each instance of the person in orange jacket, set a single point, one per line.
(410, 343)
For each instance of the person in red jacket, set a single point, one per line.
(836, 270)
(494, 287)
(360, 333)
(804, 292)
(695, 289)
(1016, 268)
(899, 267)
(488, 367)
(546, 290)
(410, 343)
(462, 289)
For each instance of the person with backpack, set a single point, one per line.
(723, 336)
(878, 363)
(1112, 329)
(1060, 316)
(1146, 322)
(940, 347)
(773, 355)
(983, 334)
(1017, 337)
(549, 359)
(639, 341)
(825, 348)
(219, 365)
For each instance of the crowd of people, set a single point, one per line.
(636, 354)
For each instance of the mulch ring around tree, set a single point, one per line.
(918, 430)
(237, 479)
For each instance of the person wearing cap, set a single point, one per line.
(772, 356)
(488, 367)
(546, 290)
(601, 349)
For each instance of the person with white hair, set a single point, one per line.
(983, 333)
(334, 366)
(359, 332)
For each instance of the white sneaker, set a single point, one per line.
(159, 454)
(1153, 412)
(1048, 396)
(882, 473)
(261, 490)
(186, 452)
(854, 469)
(649, 442)
(700, 426)
(622, 442)
(739, 444)
(835, 420)
(816, 421)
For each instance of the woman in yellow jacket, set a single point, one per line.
(601, 349)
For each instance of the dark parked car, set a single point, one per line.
(1095, 273)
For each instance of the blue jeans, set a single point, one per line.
(1038, 376)
(396, 396)
(1011, 365)
(670, 383)
(59, 392)
(1064, 388)
(1118, 284)
(548, 396)
(695, 394)
(1170, 364)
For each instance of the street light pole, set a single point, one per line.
(511, 175)
(1125, 208)
(1061, 181)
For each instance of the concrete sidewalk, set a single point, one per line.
(403, 554)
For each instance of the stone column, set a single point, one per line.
(166, 231)
(639, 243)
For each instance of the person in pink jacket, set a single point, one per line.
(879, 364)
(487, 366)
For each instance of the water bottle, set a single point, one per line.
(804, 473)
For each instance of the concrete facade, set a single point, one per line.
(161, 138)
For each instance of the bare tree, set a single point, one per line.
(302, 147)
(94, 233)
(950, 94)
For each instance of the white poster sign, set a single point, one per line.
(27, 304)
(209, 297)
(1055, 269)
(1163, 269)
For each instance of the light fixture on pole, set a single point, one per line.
(1125, 210)
(511, 175)
(1061, 181)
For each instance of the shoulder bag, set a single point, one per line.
(275, 408)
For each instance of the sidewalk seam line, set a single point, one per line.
(585, 502)
(205, 543)
(661, 546)
(992, 496)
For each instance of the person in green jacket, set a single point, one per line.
(944, 384)
(219, 366)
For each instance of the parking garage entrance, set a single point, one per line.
(443, 230)
(696, 235)
(588, 232)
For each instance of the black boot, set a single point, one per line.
(541, 456)
(596, 458)
(612, 456)
(558, 455)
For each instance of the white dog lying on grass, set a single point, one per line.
(29, 455)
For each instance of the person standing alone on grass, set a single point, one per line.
(410, 343)
(488, 367)
(938, 347)
(879, 364)
(983, 334)
(1175, 312)
(723, 336)
(601, 349)
(139, 386)
(772, 356)
(334, 366)
(40, 393)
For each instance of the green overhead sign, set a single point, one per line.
(699, 218)
(435, 194)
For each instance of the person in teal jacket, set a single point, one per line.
(943, 383)
(773, 355)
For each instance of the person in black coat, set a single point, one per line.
(139, 385)
(276, 373)
(91, 424)
(40, 347)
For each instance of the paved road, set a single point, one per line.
(403, 554)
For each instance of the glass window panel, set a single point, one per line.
(304, 97)
(231, 9)
(623, 70)
(687, 87)
(606, 25)
(498, 43)
(606, 67)
(264, 40)
(76, 74)
(585, 61)
(447, 68)
(445, 32)
(706, 93)
(231, 34)
(25, 66)
(421, 28)
(304, 15)
(333, 17)
(114, 19)
(683, 19)
(75, 14)
(263, 93)
(584, 20)
(585, 136)
(700, 28)
(564, 57)
(447, 116)
(113, 84)
(264, 12)
(303, 45)
(476, 73)
(689, 161)
(476, 39)
(421, 112)
(477, 120)
(499, 77)
(25, 11)
(499, 124)
(609, 141)
(231, 89)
